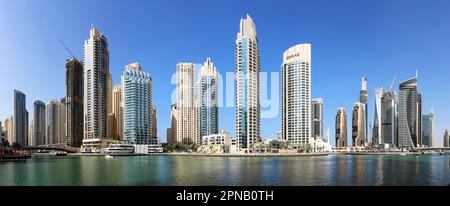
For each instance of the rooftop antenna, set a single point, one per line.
(67, 48)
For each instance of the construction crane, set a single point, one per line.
(67, 48)
(392, 84)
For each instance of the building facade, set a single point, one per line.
(75, 102)
(55, 123)
(317, 118)
(8, 125)
(364, 100)
(96, 87)
(296, 95)
(154, 126)
(208, 108)
(172, 131)
(446, 139)
(20, 119)
(137, 105)
(186, 131)
(40, 125)
(409, 115)
(341, 128)
(389, 119)
(376, 131)
(116, 115)
(428, 126)
(247, 86)
(358, 125)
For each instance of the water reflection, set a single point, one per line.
(185, 170)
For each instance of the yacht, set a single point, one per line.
(119, 149)
(109, 156)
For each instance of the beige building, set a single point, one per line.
(358, 125)
(97, 87)
(341, 128)
(116, 119)
(186, 131)
(172, 131)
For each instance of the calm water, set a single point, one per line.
(181, 170)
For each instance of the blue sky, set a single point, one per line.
(350, 39)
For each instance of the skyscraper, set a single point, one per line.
(8, 124)
(247, 86)
(186, 131)
(117, 111)
(154, 126)
(428, 126)
(389, 119)
(20, 119)
(363, 99)
(172, 131)
(376, 132)
(296, 95)
(208, 115)
(341, 128)
(446, 139)
(358, 125)
(317, 118)
(30, 134)
(55, 123)
(74, 102)
(96, 86)
(39, 119)
(137, 104)
(409, 114)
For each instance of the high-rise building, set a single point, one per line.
(55, 123)
(74, 102)
(247, 86)
(296, 95)
(3, 134)
(20, 119)
(363, 99)
(39, 119)
(428, 126)
(96, 87)
(172, 131)
(154, 126)
(137, 104)
(341, 128)
(186, 131)
(63, 122)
(409, 114)
(358, 125)
(8, 124)
(117, 112)
(376, 131)
(208, 108)
(389, 119)
(317, 118)
(30, 134)
(446, 139)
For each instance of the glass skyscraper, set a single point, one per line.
(296, 95)
(39, 128)
(388, 116)
(208, 100)
(428, 126)
(20, 120)
(317, 118)
(137, 101)
(409, 115)
(247, 86)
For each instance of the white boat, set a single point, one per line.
(109, 156)
(119, 149)
(403, 153)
